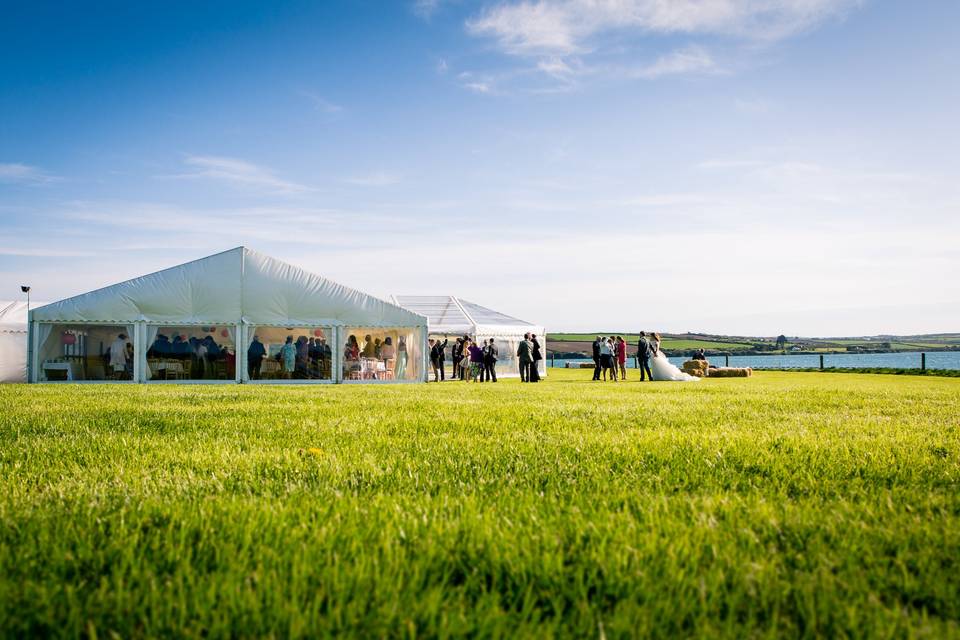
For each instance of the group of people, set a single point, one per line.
(476, 361)
(610, 357)
(529, 354)
(305, 358)
(392, 357)
(201, 352)
(473, 361)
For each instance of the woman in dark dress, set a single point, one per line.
(537, 357)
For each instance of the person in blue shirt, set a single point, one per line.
(288, 357)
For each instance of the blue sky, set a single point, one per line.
(729, 166)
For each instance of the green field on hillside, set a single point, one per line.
(783, 505)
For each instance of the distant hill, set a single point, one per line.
(677, 344)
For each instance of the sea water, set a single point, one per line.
(898, 360)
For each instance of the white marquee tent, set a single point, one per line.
(13, 341)
(453, 316)
(200, 321)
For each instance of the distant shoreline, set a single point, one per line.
(577, 345)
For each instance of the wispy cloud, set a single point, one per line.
(427, 8)
(693, 59)
(16, 173)
(321, 103)
(376, 179)
(568, 26)
(553, 32)
(239, 173)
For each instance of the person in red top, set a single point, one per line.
(622, 357)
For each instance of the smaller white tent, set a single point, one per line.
(453, 316)
(13, 341)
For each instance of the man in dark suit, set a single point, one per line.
(437, 358)
(525, 356)
(490, 355)
(643, 357)
(596, 358)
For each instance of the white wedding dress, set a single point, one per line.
(661, 369)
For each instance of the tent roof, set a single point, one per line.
(451, 314)
(228, 286)
(13, 316)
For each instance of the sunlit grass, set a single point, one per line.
(783, 504)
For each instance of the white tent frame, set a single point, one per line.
(481, 330)
(241, 327)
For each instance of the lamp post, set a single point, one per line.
(26, 289)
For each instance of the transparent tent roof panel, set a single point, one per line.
(451, 311)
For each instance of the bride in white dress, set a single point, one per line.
(661, 368)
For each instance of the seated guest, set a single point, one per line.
(161, 346)
(352, 350)
(213, 349)
(699, 355)
(231, 359)
(387, 351)
(369, 348)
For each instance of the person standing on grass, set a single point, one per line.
(537, 355)
(490, 355)
(525, 356)
(622, 357)
(605, 358)
(255, 355)
(476, 362)
(456, 356)
(643, 357)
(437, 358)
(612, 341)
(596, 358)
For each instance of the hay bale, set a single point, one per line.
(695, 368)
(731, 372)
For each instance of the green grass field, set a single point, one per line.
(787, 504)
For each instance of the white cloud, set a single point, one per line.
(321, 103)
(376, 179)
(564, 27)
(426, 8)
(240, 173)
(693, 59)
(16, 173)
(555, 31)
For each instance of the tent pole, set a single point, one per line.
(240, 352)
(139, 353)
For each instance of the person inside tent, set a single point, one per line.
(231, 360)
(288, 357)
(369, 348)
(118, 356)
(326, 356)
(255, 355)
(401, 370)
(303, 357)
